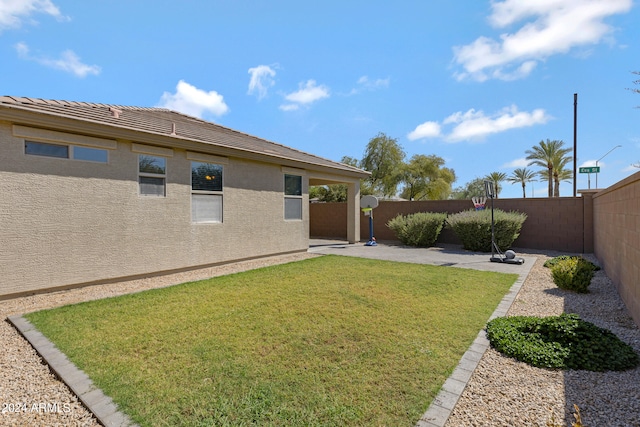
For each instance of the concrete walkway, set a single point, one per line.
(447, 255)
(453, 256)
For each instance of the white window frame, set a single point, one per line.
(294, 200)
(71, 151)
(162, 176)
(215, 198)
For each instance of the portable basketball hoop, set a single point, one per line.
(509, 257)
(368, 204)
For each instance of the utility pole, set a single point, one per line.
(575, 142)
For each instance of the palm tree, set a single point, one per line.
(560, 173)
(563, 175)
(545, 154)
(496, 178)
(522, 175)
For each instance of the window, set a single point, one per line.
(152, 175)
(61, 151)
(292, 197)
(47, 150)
(206, 192)
(90, 154)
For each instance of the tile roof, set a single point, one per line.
(162, 121)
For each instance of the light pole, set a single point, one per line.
(532, 192)
(617, 146)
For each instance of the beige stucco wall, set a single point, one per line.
(67, 222)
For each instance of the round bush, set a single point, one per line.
(553, 261)
(573, 274)
(420, 229)
(473, 228)
(560, 342)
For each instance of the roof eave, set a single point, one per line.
(14, 113)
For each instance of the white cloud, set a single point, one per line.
(289, 107)
(261, 80)
(22, 49)
(14, 12)
(425, 130)
(589, 163)
(68, 61)
(307, 93)
(517, 163)
(366, 83)
(476, 125)
(190, 100)
(551, 27)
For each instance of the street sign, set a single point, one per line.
(592, 169)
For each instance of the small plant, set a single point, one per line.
(473, 228)
(560, 342)
(576, 415)
(573, 274)
(553, 261)
(420, 229)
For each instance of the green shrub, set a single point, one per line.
(573, 274)
(553, 261)
(473, 228)
(560, 342)
(419, 229)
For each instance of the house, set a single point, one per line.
(94, 193)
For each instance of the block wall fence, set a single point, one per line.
(603, 222)
(562, 224)
(616, 218)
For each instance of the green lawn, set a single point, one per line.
(325, 341)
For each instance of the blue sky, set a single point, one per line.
(474, 82)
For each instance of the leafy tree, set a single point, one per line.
(496, 178)
(338, 192)
(547, 155)
(522, 176)
(384, 158)
(440, 189)
(350, 161)
(424, 178)
(365, 184)
(474, 188)
(329, 193)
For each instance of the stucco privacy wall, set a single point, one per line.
(616, 213)
(66, 222)
(558, 223)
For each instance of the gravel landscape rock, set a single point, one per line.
(505, 392)
(501, 392)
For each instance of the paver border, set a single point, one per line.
(442, 405)
(101, 405)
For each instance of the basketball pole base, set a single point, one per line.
(505, 260)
